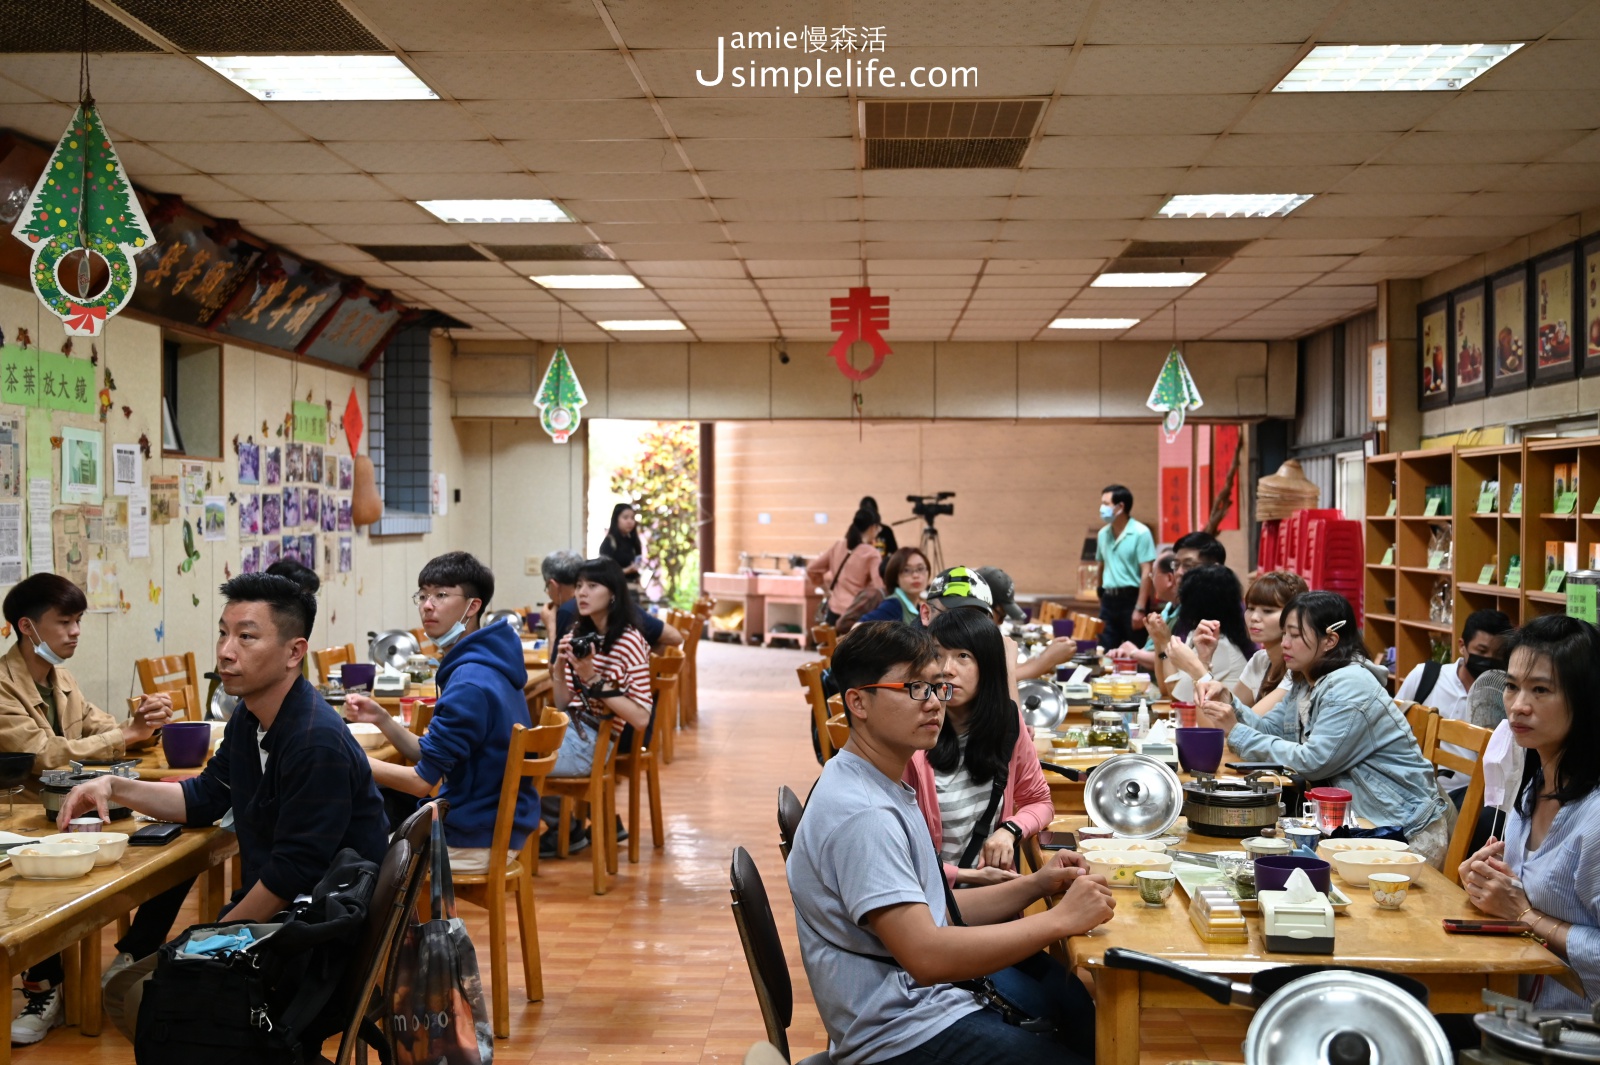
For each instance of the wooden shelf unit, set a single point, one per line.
(1478, 539)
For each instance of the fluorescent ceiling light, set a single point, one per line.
(1164, 279)
(1391, 67)
(642, 325)
(495, 210)
(1094, 323)
(321, 77)
(1233, 205)
(588, 281)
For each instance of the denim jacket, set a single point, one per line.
(1356, 739)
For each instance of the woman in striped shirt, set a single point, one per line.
(609, 686)
(1546, 872)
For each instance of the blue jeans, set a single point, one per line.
(982, 1038)
(576, 756)
(1041, 987)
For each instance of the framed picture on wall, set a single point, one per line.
(1589, 304)
(1468, 307)
(1508, 325)
(1556, 332)
(1433, 329)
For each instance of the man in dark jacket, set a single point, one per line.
(480, 679)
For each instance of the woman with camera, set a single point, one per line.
(601, 672)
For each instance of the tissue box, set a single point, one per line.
(1296, 927)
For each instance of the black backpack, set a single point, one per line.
(273, 1003)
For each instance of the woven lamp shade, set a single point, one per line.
(1281, 494)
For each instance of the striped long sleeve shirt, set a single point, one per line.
(1562, 879)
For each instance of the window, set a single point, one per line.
(399, 409)
(191, 398)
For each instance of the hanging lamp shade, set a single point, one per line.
(1280, 494)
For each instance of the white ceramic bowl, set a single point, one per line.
(1119, 867)
(1329, 847)
(369, 736)
(110, 844)
(1089, 846)
(1355, 866)
(54, 861)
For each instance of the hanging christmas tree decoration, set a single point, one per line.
(1174, 394)
(83, 203)
(559, 399)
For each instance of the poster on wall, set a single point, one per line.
(1467, 307)
(1176, 482)
(192, 481)
(11, 440)
(249, 463)
(82, 466)
(1555, 343)
(1433, 388)
(1591, 306)
(1508, 322)
(163, 500)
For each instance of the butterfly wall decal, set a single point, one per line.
(155, 592)
(55, 443)
(161, 632)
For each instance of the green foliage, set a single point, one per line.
(664, 484)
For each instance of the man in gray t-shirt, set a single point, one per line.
(868, 885)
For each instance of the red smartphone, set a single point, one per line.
(1458, 926)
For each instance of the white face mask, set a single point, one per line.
(458, 630)
(44, 651)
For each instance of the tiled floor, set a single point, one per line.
(653, 970)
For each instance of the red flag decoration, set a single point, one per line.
(352, 422)
(860, 316)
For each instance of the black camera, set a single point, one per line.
(585, 644)
(930, 507)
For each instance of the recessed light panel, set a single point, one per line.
(321, 77)
(1392, 67)
(642, 325)
(588, 281)
(1163, 279)
(1231, 205)
(1094, 323)
(495, 211)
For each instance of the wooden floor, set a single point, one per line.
(653, 970)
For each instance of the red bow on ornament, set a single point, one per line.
(83, 318)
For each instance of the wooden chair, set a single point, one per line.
(838, 728)
(637, 762)
(826, 637)
(331, 656)
(168, 673)
(421, 715)
(596, 791)
(811, 680)
(1474, 739)
(1424, 721)
(1049, 612)
(532, 754)
(693, 627)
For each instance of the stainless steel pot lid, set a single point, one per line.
(1518, 1030)
(1339, 1017)
(508, 617)
(1134, 796)
(392, 648)
(1042, 704)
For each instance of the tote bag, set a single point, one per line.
(438, 1015)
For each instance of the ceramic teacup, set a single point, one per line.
(1388, 889)
(1155, 885)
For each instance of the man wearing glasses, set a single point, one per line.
(480, 679)
(881, 945)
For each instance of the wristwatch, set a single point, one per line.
(1013, 828)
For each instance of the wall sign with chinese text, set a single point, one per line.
(358, 324)
(194, 266)
(860, 316)
(310, 422)
(285, 300)
(46, 379)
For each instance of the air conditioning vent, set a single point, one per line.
(54, 26)
(423, 253)
(948, 134)
(550, 252)
(1160, 256)
(239, 27)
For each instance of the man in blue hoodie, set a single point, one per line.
(480, 681)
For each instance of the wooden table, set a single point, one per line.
(1456, 969)
(39, 918)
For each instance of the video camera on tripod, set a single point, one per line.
(929, 507)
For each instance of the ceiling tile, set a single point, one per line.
(652, 233)
(815, 153)
(1117, 115)
(930, 208)
(759, 185)
(1178, 69)
(566, 119)
(596, 156)
(659, 186)
(1236, 179)
(1339, 112)
(125, 79)
(769, 232)
(1109, 181)
(380, 120)
(819, 209)
(745, 116)
(426, 157)
(1177, 22)
(1485, 109)
(484, 26)
(1293, 149)
(223, 157)
(307, 186)
(1455, 176)
(1506, 146)
(1171, 150)
(595, 75)
(467, 185)
(640, 210)
(246, 121)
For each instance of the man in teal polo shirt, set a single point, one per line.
(1124, 550)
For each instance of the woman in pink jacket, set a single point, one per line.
(980, 789)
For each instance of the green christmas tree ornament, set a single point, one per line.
(1174, 394)
(83, 201)
(559, 399)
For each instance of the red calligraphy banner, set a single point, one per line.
(1224, 445)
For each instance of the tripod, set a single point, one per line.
(930, 544)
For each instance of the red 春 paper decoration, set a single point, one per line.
(860, 316)
(352, 422)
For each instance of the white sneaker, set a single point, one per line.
(41, 1013)
(119, 963)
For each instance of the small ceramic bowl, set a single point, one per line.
(54, 861)
(111, 845)
(1155, 885)
(85, 824)
(369, 736)
(1261, 846)
(1329, 847)
(1388, 889)
(1119, 867)
(1355, 866)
